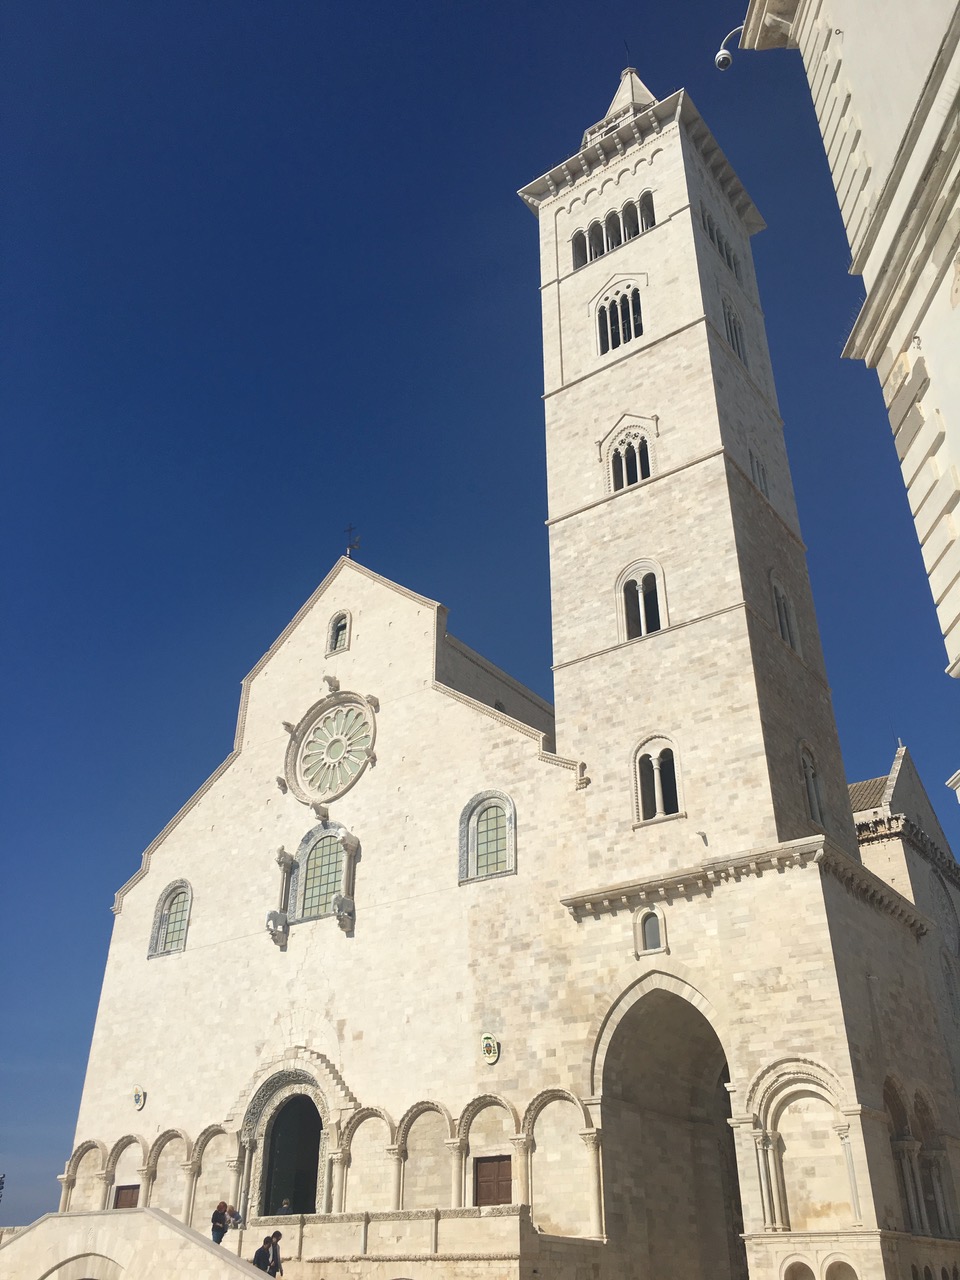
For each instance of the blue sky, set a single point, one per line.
(263, 275)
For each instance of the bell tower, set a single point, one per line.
(688, 669)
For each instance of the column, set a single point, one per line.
(248, 1150)
(236, 1170)
(458, 1150)
(843, 1133)
(776, 1184)
(191, 1173)
(397, 1175)
(67, 1182)
(912, 1150)
(339, 1160)
(909, 1186)
(105, 1177)
(521, 1144)
(946, 1226)
(657, 785)
(762, 1142)
(592, 1139)
(147, 1177)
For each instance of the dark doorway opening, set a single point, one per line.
(673, 1193)
(126, 1197)
(293, 1157)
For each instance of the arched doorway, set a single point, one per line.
(670, 1173)
(293, 1157)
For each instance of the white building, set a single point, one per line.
(887, 97)
(609, 992)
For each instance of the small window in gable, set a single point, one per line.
(649, 930)
(170, 920)
(657, 780)
(338, 635)
(488, 827)
(811, 786)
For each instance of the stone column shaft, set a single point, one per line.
(592, 1138)
(458, 1150)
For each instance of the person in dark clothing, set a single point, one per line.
(276, 1265)
(261, 1259)
(218, 1222)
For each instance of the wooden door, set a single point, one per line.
(492, 1180)
(126, 1197)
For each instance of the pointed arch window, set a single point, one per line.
(758, 473)
(619, 318)
(488, 837)
(171, 920)
(811, 786)
(657, 780)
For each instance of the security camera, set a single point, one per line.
(723, 59)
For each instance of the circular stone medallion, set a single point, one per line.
(330, 747)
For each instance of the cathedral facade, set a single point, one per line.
(441, 980)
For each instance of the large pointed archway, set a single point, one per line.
(293, 1156)
(670, 1173)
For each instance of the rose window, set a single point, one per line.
(331, 747)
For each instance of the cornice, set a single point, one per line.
(708, 876)
(637, 129)
(898, 826)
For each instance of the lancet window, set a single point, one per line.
(641, 606)
(630, 463)
(786, 619)
(619, 318)
(720, 241)
(811, 786)
(733, 330)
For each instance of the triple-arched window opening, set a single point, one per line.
(619, 318)
(658, 781)
(630, 463)
(614, 230)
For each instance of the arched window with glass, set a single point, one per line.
(322, 877)
(488, 837)
(642, 605)
(171, 919)
(338, 633)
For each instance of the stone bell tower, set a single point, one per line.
(688, 668)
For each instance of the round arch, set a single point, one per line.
(772, 1087)
(161, 1141)
(480, 1103)
(118, 1148)
(85, 1266)
(91, 1144)
(256, 1129)
(357, 1119)
(546, 1096)
(413, 1113)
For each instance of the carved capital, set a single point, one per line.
(147, 1173)
(396, 1154)
(105, 1175)
(191, 1168)
(591, 1138)
(341, 1158)
(522, 1142)
(66, 1179)
(456, 1146)
(234, 1165)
